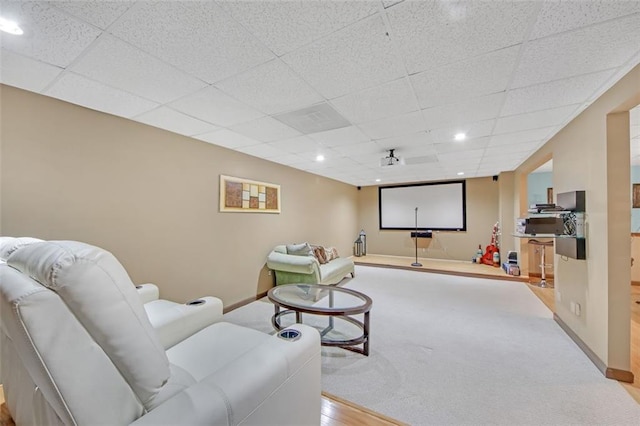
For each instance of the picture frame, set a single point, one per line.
(240, 195)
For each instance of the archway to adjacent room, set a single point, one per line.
(536, 187)
(539, 193)
(634, 138)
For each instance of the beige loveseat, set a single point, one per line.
(297, 269)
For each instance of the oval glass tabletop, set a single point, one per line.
(320, 298)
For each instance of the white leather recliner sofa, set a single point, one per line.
(78, 348)
(173, 321)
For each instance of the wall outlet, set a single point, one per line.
(575, 308)
(269, 272)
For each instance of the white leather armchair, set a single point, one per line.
(78, 348)
(173, 321)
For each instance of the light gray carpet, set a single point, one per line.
(456, 350)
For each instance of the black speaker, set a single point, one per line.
(495, 178)
(359, 188)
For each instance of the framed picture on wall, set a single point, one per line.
(248, 196)
(636, 196)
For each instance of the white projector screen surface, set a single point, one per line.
(441, 206)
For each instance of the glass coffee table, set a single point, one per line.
(340, 305)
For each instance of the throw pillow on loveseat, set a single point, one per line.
(304, 267)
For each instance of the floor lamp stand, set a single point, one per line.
(416, 263)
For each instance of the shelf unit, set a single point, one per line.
(572, 246)
(566, 245)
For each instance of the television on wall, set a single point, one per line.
(441, 206)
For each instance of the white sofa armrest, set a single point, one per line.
(290, 263)
(174, 322)
(148, 292)
(253, 388)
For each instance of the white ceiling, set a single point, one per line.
(406, 75)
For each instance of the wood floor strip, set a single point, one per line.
(346, 412)
(438, 266)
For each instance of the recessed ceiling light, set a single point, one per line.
(460, 173)
(377, 180)
(460, 136)
(10, 27)
(320, 157)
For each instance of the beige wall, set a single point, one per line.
(592, 153)
(482, 214)
(151, 197)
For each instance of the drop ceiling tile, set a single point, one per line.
(213, 106)
(25, 73)
(368, 160)
(287, 159)
(401, 143)
(195, 36)
(500, 157)
(297, 145)
(457, 146)
(91, 94)
(419, 162)
(265, 129)
(286, 26)
(262, 150)
(481, 75)
(532, 120)
(99, 13)
(470, 111)
(342, 164)
(440, 32)
(554, 94)
(343, 136)
(384, 101)
(311, 166)
(174, 121)
(579, 52)
(461, 155)
(360, 150)
(328, 154)
(405, 124)
(513, 148)
(558, 16)
(417, 151)
(49, 35)
(543, 133)
(455, 162)
(313, 119)
(355, 58)
(472, 130)
(120, 65)
(227, 139)
(271, 87)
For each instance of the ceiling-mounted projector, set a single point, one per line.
(391, 160)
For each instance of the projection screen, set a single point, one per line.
(441, 206)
